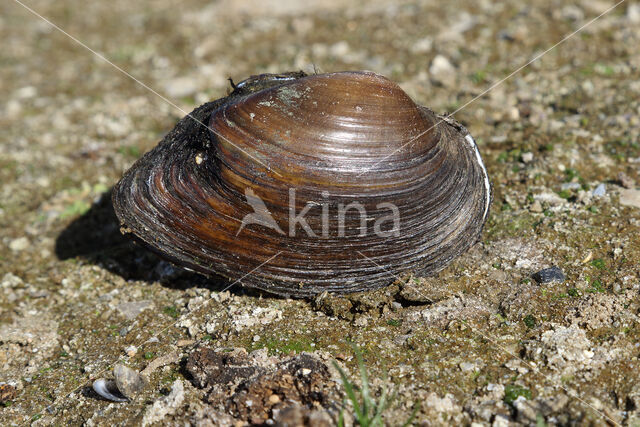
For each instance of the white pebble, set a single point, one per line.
(19, 244)
(599, 191)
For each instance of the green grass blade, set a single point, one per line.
(369, 412)
(341, 416)
(367, 402)
(348, 388)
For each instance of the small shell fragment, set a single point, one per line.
(126, 385)
(108, 390)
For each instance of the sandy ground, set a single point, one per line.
(480, 343)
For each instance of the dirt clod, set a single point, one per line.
(255, 389)
(7, 393)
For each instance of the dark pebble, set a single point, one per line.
(548, 275)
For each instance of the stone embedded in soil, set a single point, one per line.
(570, 186)
(27, 341)
(549, 275)
(630, 198)
(181, 87)
(422, 45)
(441, 404)
(11, 281)
(442, 71)
(625, 180)
(166, 405)
(19, 244)
(599, 191)
(536, 207)
(564, 349)
(132, 309)
(633, 13)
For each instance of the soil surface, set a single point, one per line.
(483, 342)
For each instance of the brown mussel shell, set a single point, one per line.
(300, 184)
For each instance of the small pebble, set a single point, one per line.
(548, 275)
(274, 398)
(131, 310)
(442, 71)
(633, 13)
(513, 114)
(527, 157)
(26, 92)
(599, 191)
(570, 186)
(498, 139)
(180, 87)
(625, 180)
(10, 280)
(38, 293)
(131, 351)
(422, 45)
(467, 366)
(630, 198)
(19, 244)
(536, 207)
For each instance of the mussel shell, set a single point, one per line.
(331, 139)
(108, 390)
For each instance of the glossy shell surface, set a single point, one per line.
(302, 184)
